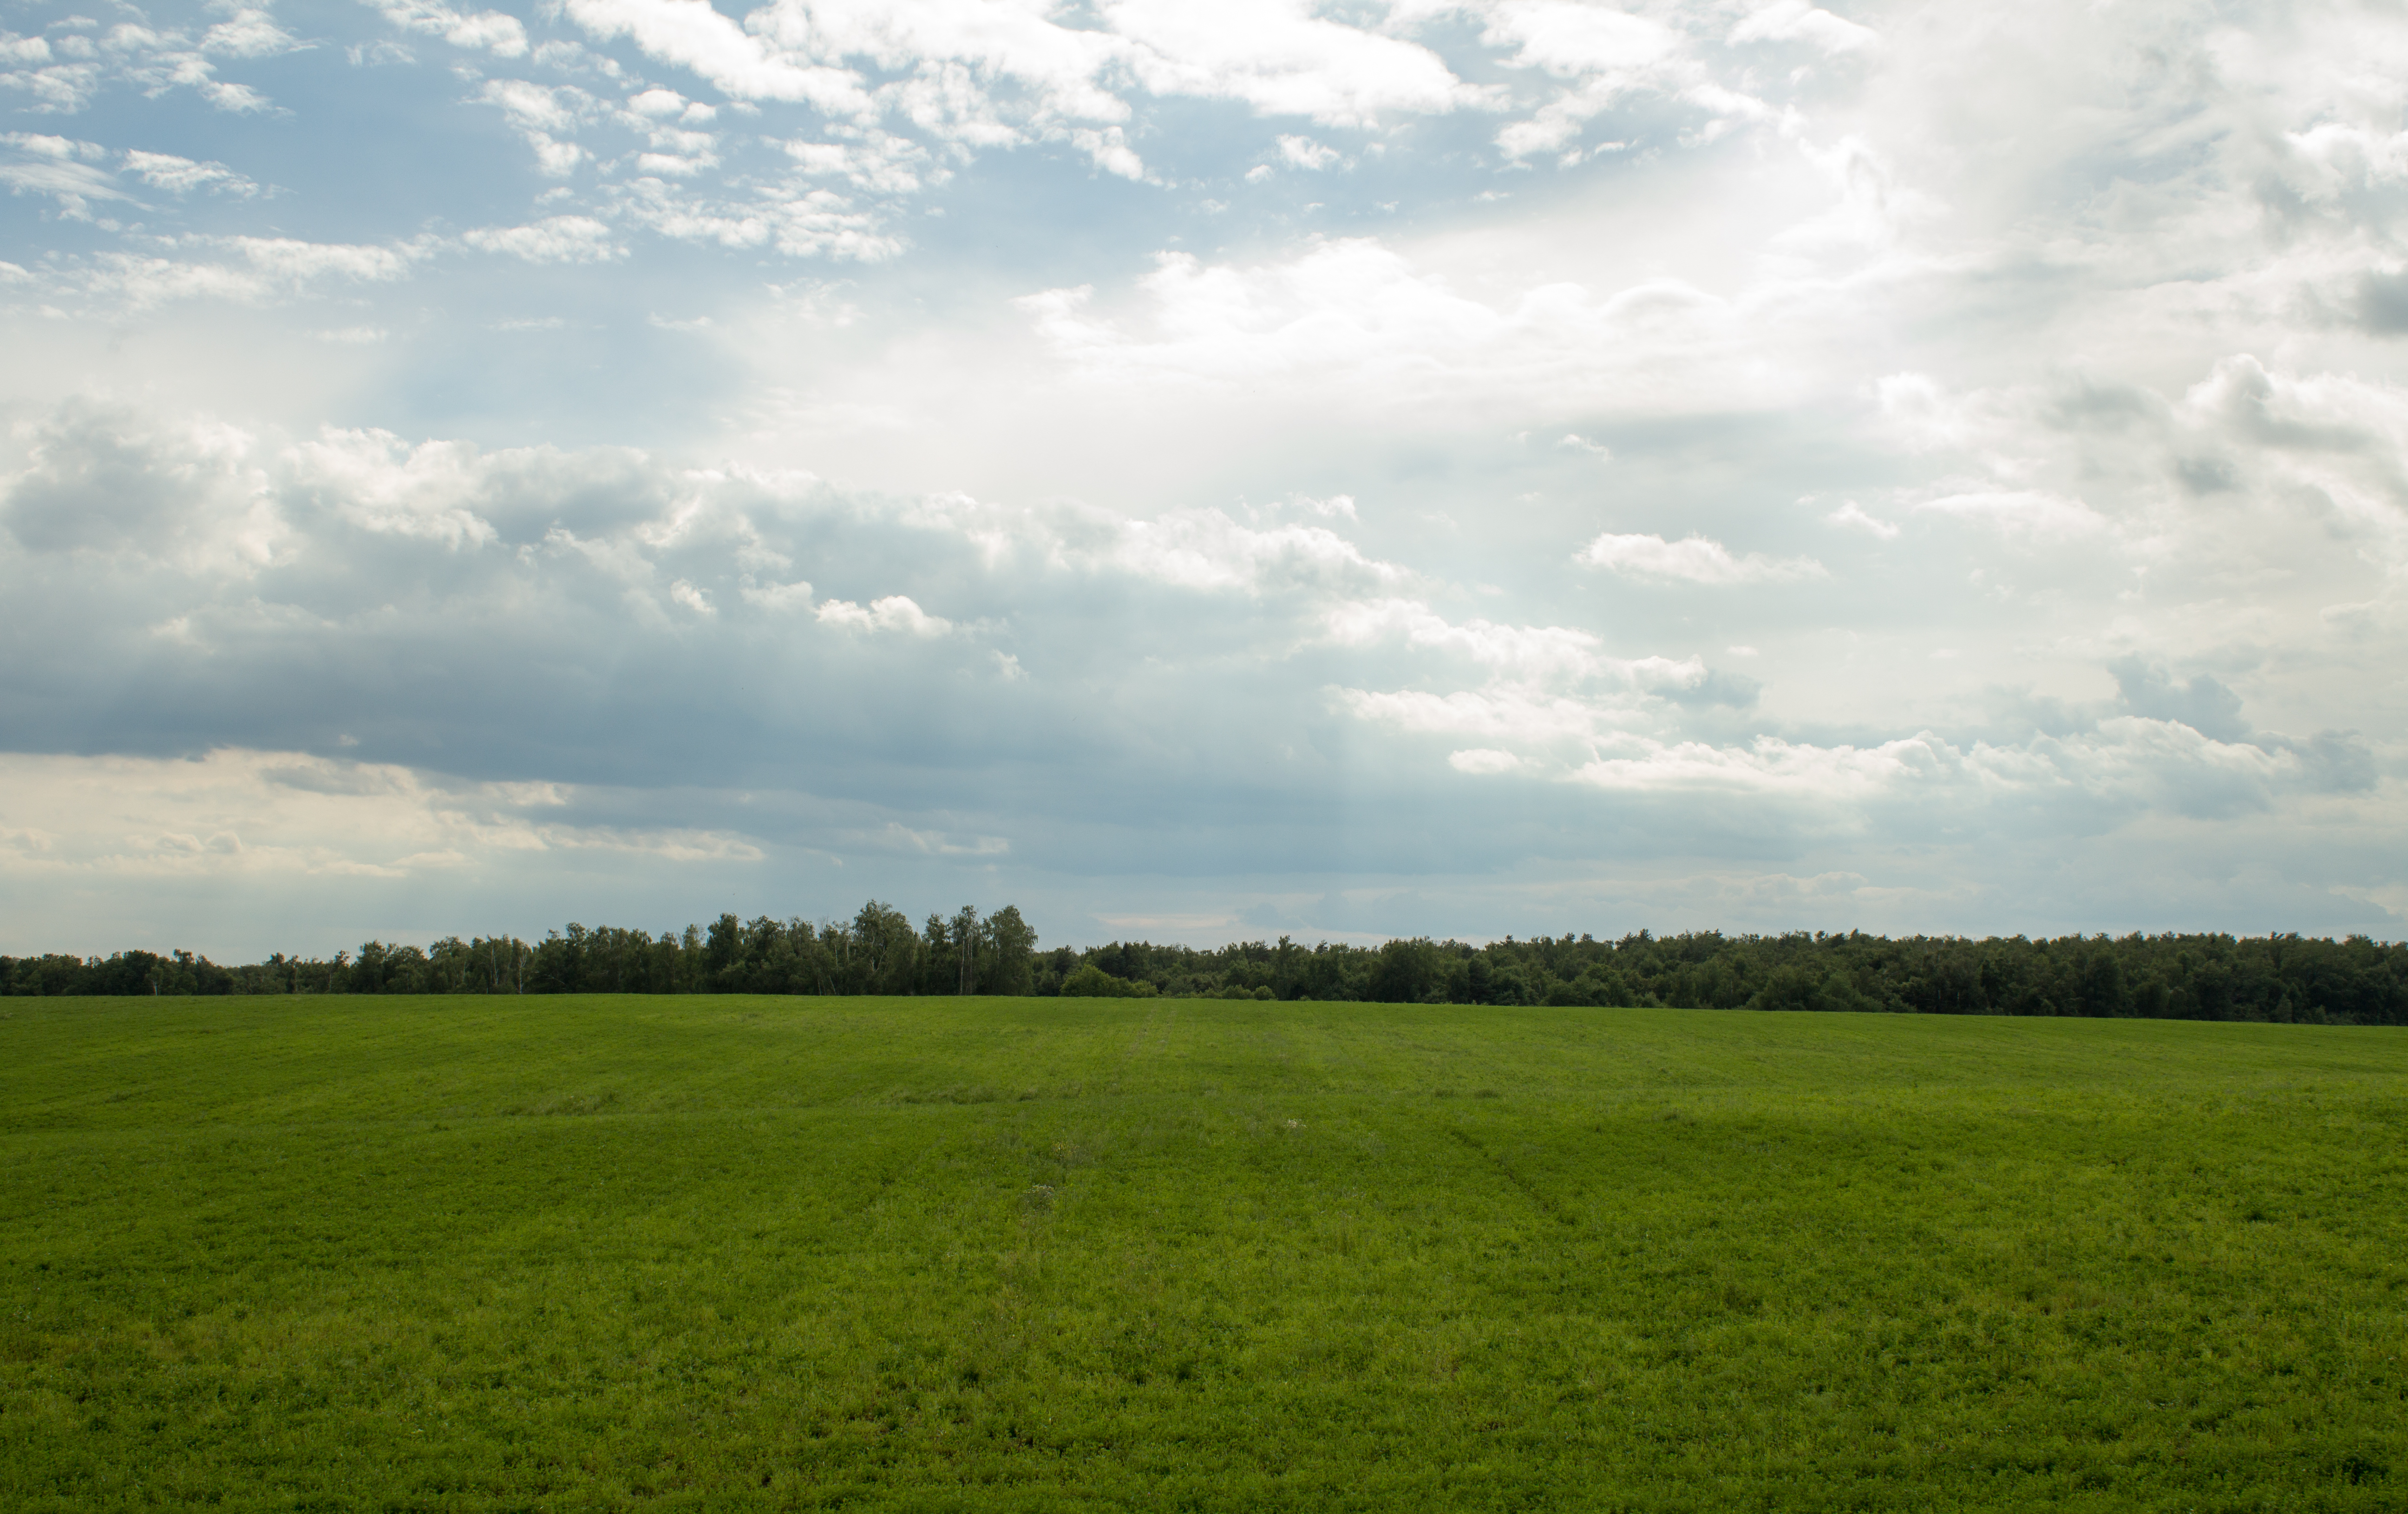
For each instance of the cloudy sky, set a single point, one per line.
(1201, 471)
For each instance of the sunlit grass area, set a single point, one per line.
(709, 1252)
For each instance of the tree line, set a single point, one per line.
(2281, 977)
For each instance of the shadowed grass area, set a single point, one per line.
(473, 1253)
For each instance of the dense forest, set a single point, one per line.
(2357, 981)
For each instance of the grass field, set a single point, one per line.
(1045, 1254)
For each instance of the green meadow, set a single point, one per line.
(722, 1252)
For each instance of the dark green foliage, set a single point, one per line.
(1088, 981)
(2279, 978)
(480, 1254)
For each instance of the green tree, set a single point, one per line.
(1009, 945)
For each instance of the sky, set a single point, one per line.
(1201, 472)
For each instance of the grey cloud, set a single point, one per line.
(1162, 740)
(516, 617)
(2022, 712)
(2383, 303)
(2338, 762)
(608, 620)
(2092, 402)
(92, 486)
(2204, 704)
(1719, 687)
(2201, 475)
(2255, 404)
(329, 778)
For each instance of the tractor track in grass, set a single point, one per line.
(1540, 1199)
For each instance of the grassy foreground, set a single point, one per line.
(1045, 1254)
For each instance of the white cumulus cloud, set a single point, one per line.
(1692, 560)
(561, 238)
